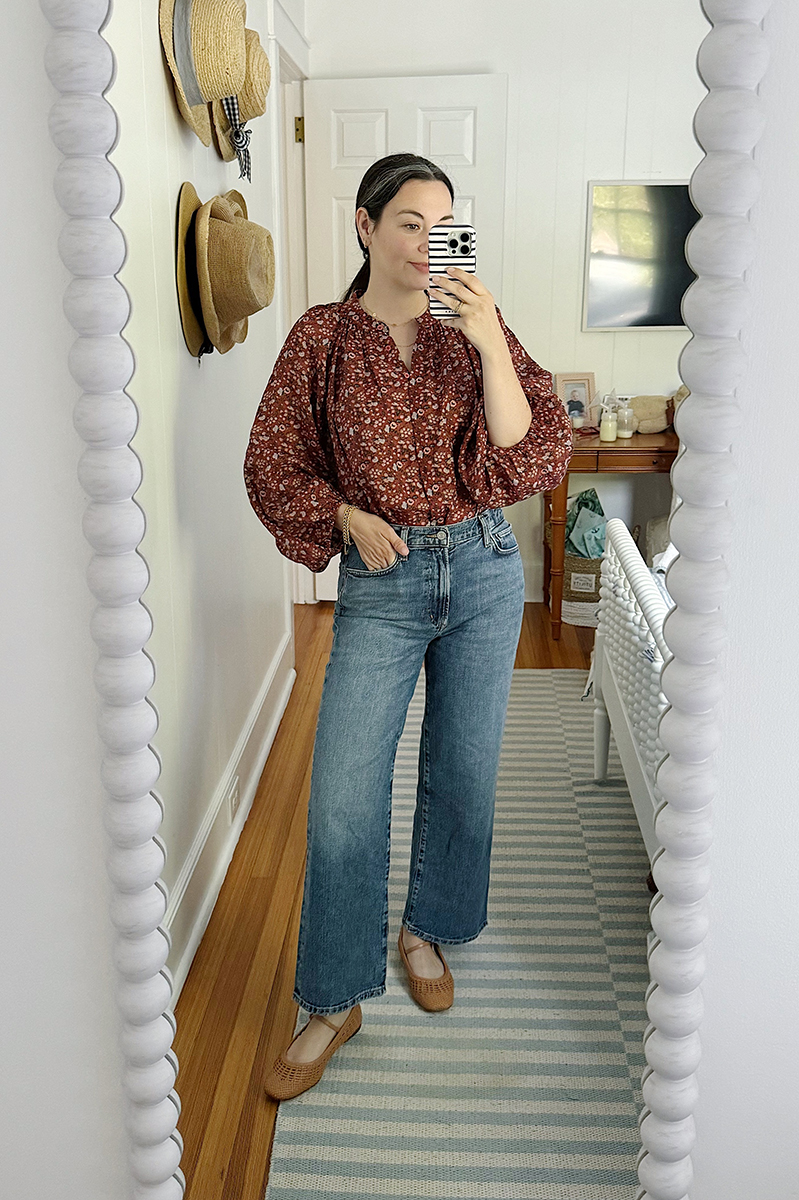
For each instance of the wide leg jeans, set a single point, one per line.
(454, 604)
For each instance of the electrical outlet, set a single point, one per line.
(233, 799)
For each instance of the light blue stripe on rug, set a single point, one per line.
(528, 1088)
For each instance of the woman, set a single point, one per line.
(396, 438)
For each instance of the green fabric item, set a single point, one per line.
(585, 525)
(587, 537)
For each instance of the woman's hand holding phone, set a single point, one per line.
(477, 314)
(464, 302)
(450, 243)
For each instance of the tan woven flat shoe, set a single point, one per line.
(434, 995)
(289, 1079)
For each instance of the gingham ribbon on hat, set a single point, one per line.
(239, 136)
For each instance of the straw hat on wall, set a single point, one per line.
(205, 48)
(251, 97)
(225, 270)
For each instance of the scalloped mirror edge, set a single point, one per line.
(731, 61)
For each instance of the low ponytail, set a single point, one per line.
(361, 281)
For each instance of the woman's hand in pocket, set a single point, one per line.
(378, 544)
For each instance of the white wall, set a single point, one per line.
(295, 11)
(61, 1134)
(219, 591)
(596, 89)
(747, 1117)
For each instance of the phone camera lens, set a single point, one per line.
(453, 244)
(464, 237)
(464, 249)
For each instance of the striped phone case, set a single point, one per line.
(448, 245)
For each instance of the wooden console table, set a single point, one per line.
(643, 452)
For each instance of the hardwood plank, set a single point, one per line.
(294, 847)
(208, 1047)
(250, 1159)
(538, 649)
(262, 842)
(233, 1076)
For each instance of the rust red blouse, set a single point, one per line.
(343, 420)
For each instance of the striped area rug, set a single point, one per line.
(528, 1088)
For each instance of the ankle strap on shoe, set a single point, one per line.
(319, 1017)
(418, 946)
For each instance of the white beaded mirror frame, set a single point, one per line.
(731, 61)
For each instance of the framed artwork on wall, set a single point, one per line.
(636, 272)
(577, 392)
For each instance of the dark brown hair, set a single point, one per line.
(381, 182)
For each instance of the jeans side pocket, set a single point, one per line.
(503, 539)
(360, 569)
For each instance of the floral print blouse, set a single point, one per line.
(343, 420)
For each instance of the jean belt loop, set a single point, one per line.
(404, 534)
(484, 526)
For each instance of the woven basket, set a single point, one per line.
(581, 577)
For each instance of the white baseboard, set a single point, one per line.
(197, 887)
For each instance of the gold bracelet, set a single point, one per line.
(346, 525)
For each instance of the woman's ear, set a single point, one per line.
(362, 223)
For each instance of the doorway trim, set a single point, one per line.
(295, 277)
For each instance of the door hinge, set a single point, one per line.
(299, 129)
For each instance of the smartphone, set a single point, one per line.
(449, 245)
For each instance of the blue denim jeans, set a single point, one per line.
(455, 604)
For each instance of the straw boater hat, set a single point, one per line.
(251, 97)
(225, 269)
(205, 48)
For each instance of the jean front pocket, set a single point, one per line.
(503, 539)
(356, 567)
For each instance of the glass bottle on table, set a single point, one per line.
(607, 425)
(625, 420)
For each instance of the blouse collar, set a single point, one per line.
(355, 310)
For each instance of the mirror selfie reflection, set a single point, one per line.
(424, 971)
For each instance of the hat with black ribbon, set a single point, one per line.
(205, 47)
(238, 137)
(230, 114)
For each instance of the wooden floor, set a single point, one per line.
(235, 1012)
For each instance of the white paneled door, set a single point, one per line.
(457, 121)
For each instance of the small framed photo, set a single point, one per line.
(577, 392)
